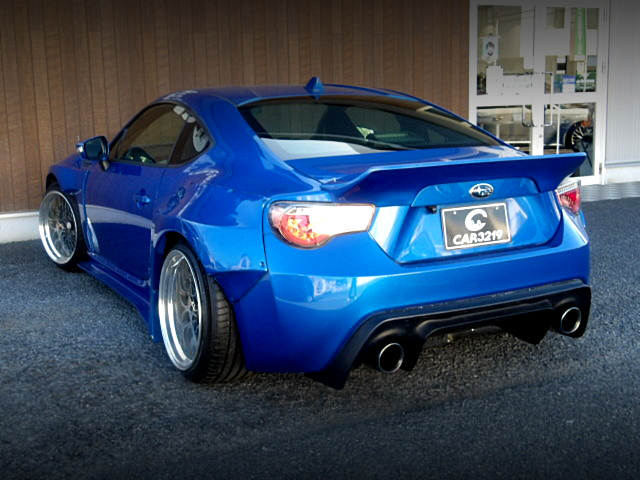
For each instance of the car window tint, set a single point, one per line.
(151, 137)
(397, 129)
(304, 127)
(284, 118)
(193, 140)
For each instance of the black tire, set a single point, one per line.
(211, 352)
(60, 230)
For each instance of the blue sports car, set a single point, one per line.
(315, 228)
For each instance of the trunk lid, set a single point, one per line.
(425, 206)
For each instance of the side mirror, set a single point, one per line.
(96, 148)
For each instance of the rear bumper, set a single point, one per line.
(527, 314)
(309, 309)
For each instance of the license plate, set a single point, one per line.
(475, 226)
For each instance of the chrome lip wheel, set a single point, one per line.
(58, 227)
(180, 310)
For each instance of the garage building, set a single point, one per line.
(545, 76)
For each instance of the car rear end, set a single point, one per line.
(402, 241)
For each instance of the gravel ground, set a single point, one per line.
(84, 393)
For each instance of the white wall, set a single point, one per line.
(623, 115)
(15, 227)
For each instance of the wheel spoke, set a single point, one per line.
(188, 340)
(186, 281)
(70, 241)
(55, 241)
(183, 300)
(195, 322)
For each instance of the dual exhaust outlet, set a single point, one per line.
(390, 357)
(569, 321)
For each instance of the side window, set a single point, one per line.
(151, 137)
(192, 142)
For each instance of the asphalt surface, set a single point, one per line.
(84, 393)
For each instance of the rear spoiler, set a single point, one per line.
(399, 183)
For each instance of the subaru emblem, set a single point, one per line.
(481, 190)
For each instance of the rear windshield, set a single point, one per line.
(305, 127)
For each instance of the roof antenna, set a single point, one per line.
(314, 86)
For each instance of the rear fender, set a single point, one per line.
(231, 252)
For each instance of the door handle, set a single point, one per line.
(142, 198)
(544, 120)
(524, 123)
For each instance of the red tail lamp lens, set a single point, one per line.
(299, 230)
(310, 225)
(569, 196)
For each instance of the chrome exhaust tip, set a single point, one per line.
(390, 358)
(570, 321)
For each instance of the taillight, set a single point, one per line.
(311, 225)
(569, 196)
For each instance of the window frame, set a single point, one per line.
(122, 133)
(173, 161)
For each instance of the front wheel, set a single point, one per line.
(198, 328)
(60, 230)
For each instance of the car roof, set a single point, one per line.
(241, 95)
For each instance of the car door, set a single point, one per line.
(120, 199)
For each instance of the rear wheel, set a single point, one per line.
(60, 230)
(198, 327)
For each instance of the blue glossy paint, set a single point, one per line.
(122, 218)
(297, 308)
(316, 305)
(415, 234)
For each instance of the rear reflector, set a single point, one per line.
(569, 196)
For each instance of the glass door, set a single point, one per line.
(538, 76)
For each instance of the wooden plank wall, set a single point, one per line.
(71, 69)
